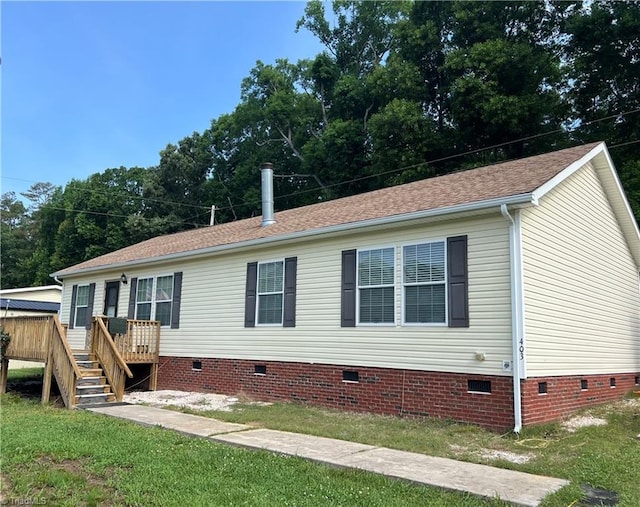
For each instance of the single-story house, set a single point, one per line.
(503, 295)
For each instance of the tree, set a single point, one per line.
(505, 75)
(604, 50)
(15, 243)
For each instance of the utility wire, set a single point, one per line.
(353, 180)
(454, 156)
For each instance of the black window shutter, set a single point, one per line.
(133, 287)
(177, 296)
(290, 273)
(250, 295)
(92, 294)
(458, 281)
(72, 317)
(348, 301)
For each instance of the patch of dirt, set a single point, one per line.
(493, 454)
(582, 421)
(183, 399)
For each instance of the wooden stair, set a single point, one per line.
(91, 387)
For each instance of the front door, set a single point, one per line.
(111, 299)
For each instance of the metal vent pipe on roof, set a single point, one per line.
(266, 170)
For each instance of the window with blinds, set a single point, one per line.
(424, 283)
(376, 287)
(270, 292)
(154, 298)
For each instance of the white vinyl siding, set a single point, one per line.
(213, 302)
(376, 286)
(270, 292)
(581, 287)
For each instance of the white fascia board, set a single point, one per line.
(623, 209)
(519, 199)
(609, 176)
(565, 173)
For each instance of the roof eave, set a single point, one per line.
(513, 200)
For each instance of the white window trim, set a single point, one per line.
(395, 287)
(258, 294)
(152, 316)
(75, 317)
(446, 284)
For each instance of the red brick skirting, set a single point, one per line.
(378, 390)
(393, 392)
(565, 394)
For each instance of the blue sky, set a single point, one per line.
(92, 85)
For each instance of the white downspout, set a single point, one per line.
(515, 318)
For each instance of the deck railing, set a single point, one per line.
(141, 343)
(29, 337)
(62, 364)
(110, 358)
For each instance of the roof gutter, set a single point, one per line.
(517, 312)
(519, 199)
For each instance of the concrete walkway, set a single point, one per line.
(516, 487)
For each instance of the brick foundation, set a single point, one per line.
(394, 392)
(378, 390)
(565, 394)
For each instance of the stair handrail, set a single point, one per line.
(112, 345)
(62, 365)
(110, 359)
(62, 336)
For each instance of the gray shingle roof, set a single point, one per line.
(503, 180)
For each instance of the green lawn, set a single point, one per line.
(72, 458)
(606, 457)
(80, 458)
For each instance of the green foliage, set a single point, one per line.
(400, 91)
(5, 340)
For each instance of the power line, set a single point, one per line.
(353, 180)
(454, 156)
(115, 215)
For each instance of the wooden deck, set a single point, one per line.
(45, 339)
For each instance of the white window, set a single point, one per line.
(153, 299)
(424, 282)
(270, 292)
(376, 288)
(82, 305)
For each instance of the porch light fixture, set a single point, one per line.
(124, 279)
